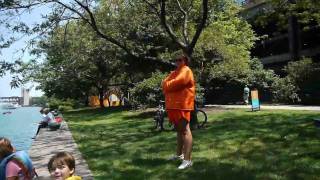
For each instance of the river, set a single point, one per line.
(20, 125)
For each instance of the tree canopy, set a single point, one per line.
(89, 45)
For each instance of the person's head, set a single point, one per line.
(46, 110)
(61, 166)
(41, 110)
(182, 60)
(5, 147)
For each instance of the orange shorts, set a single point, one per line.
(176, 115)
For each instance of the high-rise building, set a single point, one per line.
(25, 96)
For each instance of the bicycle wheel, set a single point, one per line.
(167, 125)
(202, 118)
(156, 122)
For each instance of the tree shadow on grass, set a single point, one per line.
(140, 116)
(273, 145)
(236, 145)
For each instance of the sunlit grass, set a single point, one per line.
(236, 144)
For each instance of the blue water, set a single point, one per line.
(20, 126)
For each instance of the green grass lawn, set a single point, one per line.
(236, 144)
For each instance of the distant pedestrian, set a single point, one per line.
(246, 92)
(47, 117)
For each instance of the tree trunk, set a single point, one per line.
(101, 97)
(294, 36)
(86, 101)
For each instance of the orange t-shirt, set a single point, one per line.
(179, 89)
(179, 92)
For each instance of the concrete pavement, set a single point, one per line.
(48, 143)
(283, 107)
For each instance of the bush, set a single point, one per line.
(55, 103)
(284, 90)
(300, 71)
(148, 92)
(63, 108)
(304, 74)
(228, 87)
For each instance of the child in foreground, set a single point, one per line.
(14, 165)
(62, 166)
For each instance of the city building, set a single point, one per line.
(277, 46)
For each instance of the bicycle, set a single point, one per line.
(161, 121)
(201, 117)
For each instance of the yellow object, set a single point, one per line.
(94, 101)
(74, 178)
(254, 94)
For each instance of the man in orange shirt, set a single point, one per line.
(179, 92)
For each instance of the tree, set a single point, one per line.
(89, 11)
(287, 19)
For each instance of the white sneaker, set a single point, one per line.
(176, 157)
(185, 164)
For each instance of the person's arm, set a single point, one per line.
(51, 116)
(12, 178)
(181, 81)
(165, 81)
(12, 171)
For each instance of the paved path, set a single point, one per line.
(285, 107)
(48, 143)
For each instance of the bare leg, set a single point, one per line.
(38, 130)
(179, 141)
(187, 142)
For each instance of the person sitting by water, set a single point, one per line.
(46, 119)
(14, 165)
(61, 166)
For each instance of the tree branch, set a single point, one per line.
(73, 10)
(185, 23)
(168, 28)
(153, 7)
(19, 6)
(65, 34)
(200, 27)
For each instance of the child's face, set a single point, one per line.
(61, 172)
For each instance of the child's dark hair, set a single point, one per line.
(5, 147)
(61, 158)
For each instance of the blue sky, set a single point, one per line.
(13, 52)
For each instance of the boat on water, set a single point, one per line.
(10, 106)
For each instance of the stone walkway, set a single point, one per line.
(48, 143)
(284, 107)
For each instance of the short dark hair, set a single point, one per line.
(5, 147)
(61, 158)
(41, 110)
(185, 58)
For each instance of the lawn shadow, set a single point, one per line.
(234, 145)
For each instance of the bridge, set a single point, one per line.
(12, 99)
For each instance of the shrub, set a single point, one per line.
(55, 103)
(304, 74)
(148, 92)
(64, 108)
(284, 90)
